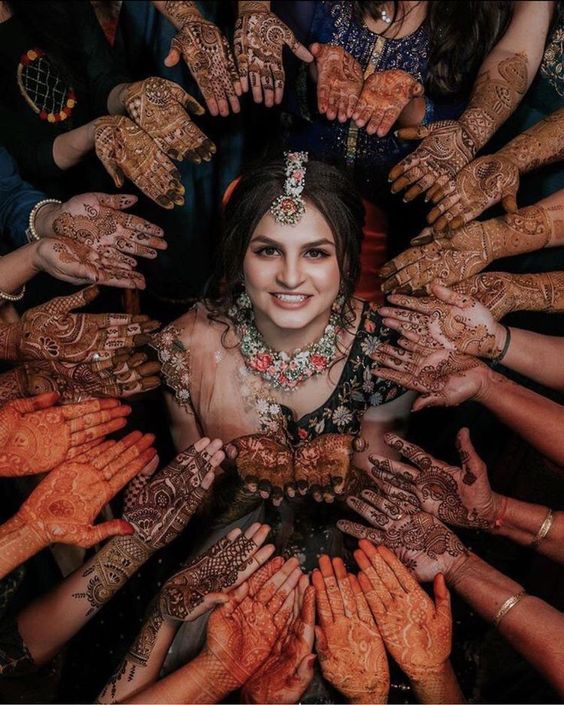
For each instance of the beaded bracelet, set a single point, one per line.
(31, 233)
(13, 297)
(544, 529)
(509, 604)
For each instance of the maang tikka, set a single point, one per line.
(289, 208)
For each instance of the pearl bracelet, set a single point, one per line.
(31, 233)
(13, 297)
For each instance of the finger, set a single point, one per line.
(341, 575)
(388, 119)
(375, 604)
(442, 602)
(126, 451)
(124, 475)
(297, 48)
(134, 223)
(403, 576)
(280, 597)
(108, 451)
(408, 450)
(91, 408)
(382, 580)
(258, 579)
(91, 535)
(97, 418)
(94, 432)
(362, 608)
(324, 610)
(377, 515)
(272, 585)
(469, 458)
(359, 531)
(172, 58)
(402, 379)
(384, 468)
(509, 201)
(41, 401)
(117, 201)
(331, 587)
(417, 132)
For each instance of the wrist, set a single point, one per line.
(413, 113)
(217, 681)
(45, 217)
(461, 569)
(423, 675)
(252, 6)
(487, 379)
(19, 542)
(502, 336)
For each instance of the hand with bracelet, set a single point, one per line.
(384, 95)
(339, 81)
(121, 376)
(258, 43)
(495, 177)
(36, 435)
(161, 108)
(126, 150)
(206, 53)
(450, 145)
(447, 320)
(462, 253)
(350, 649)
(51, 331)
(63, 506)
(416, 630)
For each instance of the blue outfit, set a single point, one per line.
(17, 198)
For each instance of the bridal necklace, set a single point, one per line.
(280, 369)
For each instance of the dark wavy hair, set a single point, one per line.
(461, 35)
(329, 189)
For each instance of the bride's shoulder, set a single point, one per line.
(200, 326)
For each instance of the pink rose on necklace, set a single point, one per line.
(261, 362)
(319, 362)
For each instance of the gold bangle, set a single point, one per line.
(544, 529)
(31, 233)
(509, 604)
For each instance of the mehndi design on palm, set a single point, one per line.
(160, 107)
(36, 436)
(384, 95)
(126, 150)
(258, 43)
(274, 469)
(51, 331)
(339, 81)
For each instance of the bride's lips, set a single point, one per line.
(290, 301)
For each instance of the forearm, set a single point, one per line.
(71, 147)
(537, 356)
(537, 419)
(116, 99)
(177, 12)
(144, 659)
(17, 543)
(539, 145)
(253, 6)
(532, 627)
(522, 521)
(49, 622)
(439, 686)
(203, 680)
(17, 268)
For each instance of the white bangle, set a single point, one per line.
(31, 233)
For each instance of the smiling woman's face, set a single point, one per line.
(292, 275)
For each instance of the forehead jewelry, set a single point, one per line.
(289, 208)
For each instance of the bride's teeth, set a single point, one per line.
(290, 298)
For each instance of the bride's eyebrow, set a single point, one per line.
(306, 246)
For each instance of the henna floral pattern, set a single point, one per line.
(126, 150)
(339, 81)
(160, 108)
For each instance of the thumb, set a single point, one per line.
(320, 640)
(65, 304)
(450, 297)
(91, 535)
(509, 199)
(442, 598)
(213, 599)
(315, 49)
(118, 201)
(300, 50)
(417, 132)
(173, 56)
(41, 401)
(426, 400)
(424, 237)
(304, 671)
(469, 458)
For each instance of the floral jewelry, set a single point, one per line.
(42, 87)
(280, 370)
(289, 208)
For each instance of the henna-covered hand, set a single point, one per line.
(384, 95)
(449, 145)
(350, 649)
(446, 320)
(205, 580)
(63, 506)
(126, 150)
(36, 436)
(160, 108)
(77, 263)
(51, 331)
(243, 632)
(416, 631)
(121, 376)
(442, 377)
(258, 43)
(419, 540)
(207, 54)
(159, 507)
(287, 672)
(339, 81)
(98, 220)
(478, 186)
(460, 496)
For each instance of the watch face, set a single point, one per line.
(43, 88)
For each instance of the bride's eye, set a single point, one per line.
(316, 254)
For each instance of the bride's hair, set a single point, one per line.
(327, 188)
